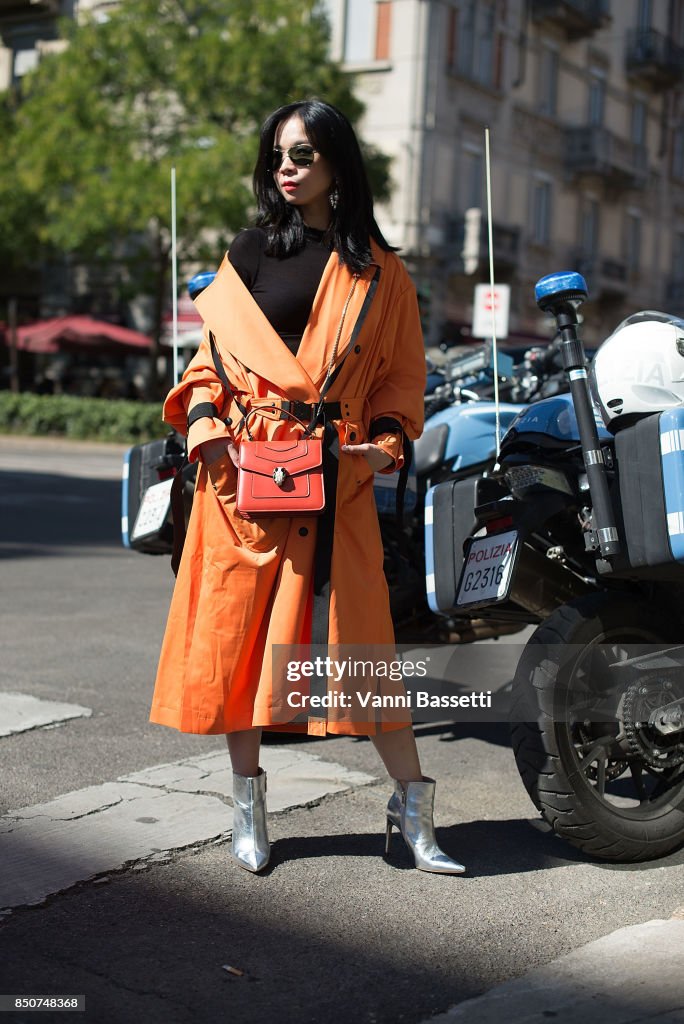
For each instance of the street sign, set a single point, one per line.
(491, 305)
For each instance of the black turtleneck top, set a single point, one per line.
(284, 289)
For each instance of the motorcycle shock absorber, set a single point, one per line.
(561, 295)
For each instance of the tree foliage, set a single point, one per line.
(162, 83)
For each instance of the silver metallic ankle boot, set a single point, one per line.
(251, 848)
(410, 809)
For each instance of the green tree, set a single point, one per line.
(20, 214)
(164, 83)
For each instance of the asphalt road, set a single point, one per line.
(332, 931)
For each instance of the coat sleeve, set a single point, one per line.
(199, 384)
(399, 392)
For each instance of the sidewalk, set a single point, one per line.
(632, 976)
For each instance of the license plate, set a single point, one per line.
(487, 569)
(154, 508)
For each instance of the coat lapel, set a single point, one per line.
(318, 340)
(240, 327)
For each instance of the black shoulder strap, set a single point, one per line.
(222, 375)
(402, 482)
(360, 320)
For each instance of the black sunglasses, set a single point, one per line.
(301, 155)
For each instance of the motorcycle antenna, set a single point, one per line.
(488, 175)
(174, 276)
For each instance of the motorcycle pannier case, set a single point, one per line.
(449, 521)
(148, 470)
(650, 483)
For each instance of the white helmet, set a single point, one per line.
(639, 368)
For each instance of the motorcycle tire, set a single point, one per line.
(574, 798)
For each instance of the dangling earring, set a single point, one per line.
(334, 196)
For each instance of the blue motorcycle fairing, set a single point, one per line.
(554, 417)
(472, 430)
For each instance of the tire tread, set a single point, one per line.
(539, 759)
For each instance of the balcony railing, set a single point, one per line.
(577, 18)
(604, 277)
(654, 57)
(595, 150)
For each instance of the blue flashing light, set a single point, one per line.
(565, 282)
(199, 282)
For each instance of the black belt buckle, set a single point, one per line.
(287, 409)
(304, 411)
(290, 407)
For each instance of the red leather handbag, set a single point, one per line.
(281, 477)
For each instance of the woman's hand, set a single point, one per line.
(376, 457)
(210, 451)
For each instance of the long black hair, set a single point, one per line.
(353, 222)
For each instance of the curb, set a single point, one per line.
(631, 976)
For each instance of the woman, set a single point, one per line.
(312, 301)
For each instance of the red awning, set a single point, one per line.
(74, 332)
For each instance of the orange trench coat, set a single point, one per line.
(242, 585)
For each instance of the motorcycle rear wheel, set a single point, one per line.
(623, 809)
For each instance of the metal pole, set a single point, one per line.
(174, 276)
(488, 172)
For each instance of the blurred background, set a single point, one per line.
(98, 100)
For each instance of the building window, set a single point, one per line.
(678, 22)
(678, 153)
(541, 213)
(638, 132)
(597, 98)
(633, 241)
(645, 14)
(548, 81)
(473, 178)
(367, 25)
(358, 31)
(589, 228)
(473, 46)
(678, 256)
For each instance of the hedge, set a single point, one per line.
(92, 419)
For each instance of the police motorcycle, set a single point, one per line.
(458, 444)
(580, 531)
(457, 448)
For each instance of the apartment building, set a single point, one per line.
(584, 100)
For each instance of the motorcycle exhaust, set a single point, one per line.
(540, 584)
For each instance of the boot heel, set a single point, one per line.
(388, 837)
(410, 810)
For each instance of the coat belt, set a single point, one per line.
(345, 408)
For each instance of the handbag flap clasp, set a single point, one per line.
(296, 457)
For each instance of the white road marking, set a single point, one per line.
(49, 847)
(21, 711)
